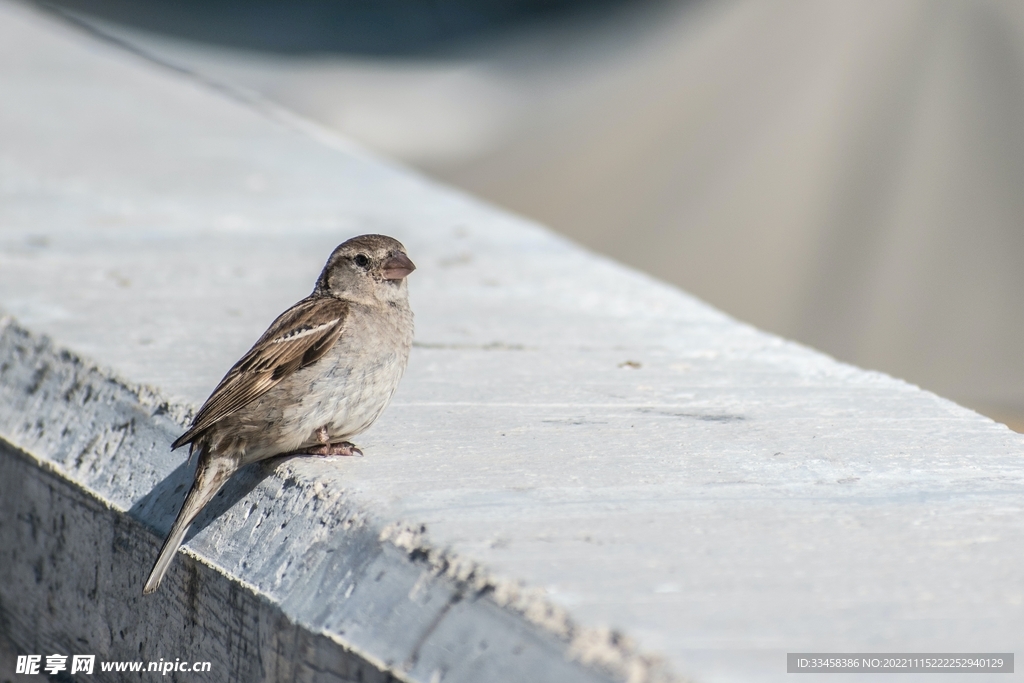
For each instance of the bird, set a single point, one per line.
(323, 371)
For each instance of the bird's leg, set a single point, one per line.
(323, 437)
(328, 448)
(325, 446)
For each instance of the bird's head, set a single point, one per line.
(367, 268)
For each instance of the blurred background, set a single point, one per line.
(846, 173)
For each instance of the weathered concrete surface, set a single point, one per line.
(348, 608)
(576, 447)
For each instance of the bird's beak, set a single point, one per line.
(397, 267)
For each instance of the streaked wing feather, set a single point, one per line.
(299, 337)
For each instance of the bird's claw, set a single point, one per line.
(337, 448)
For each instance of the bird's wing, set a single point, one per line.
(299, 337)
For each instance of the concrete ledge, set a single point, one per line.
(586, 474)
(84, 522)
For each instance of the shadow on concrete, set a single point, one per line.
(381, 27)
(158, 508)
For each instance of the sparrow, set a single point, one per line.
(323, 371)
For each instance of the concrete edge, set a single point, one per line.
(83, 425)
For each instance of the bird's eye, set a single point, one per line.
(361, 260)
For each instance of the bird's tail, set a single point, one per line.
(211, 474)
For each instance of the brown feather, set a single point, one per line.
(299, 337)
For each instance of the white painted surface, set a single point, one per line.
(732, 498)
